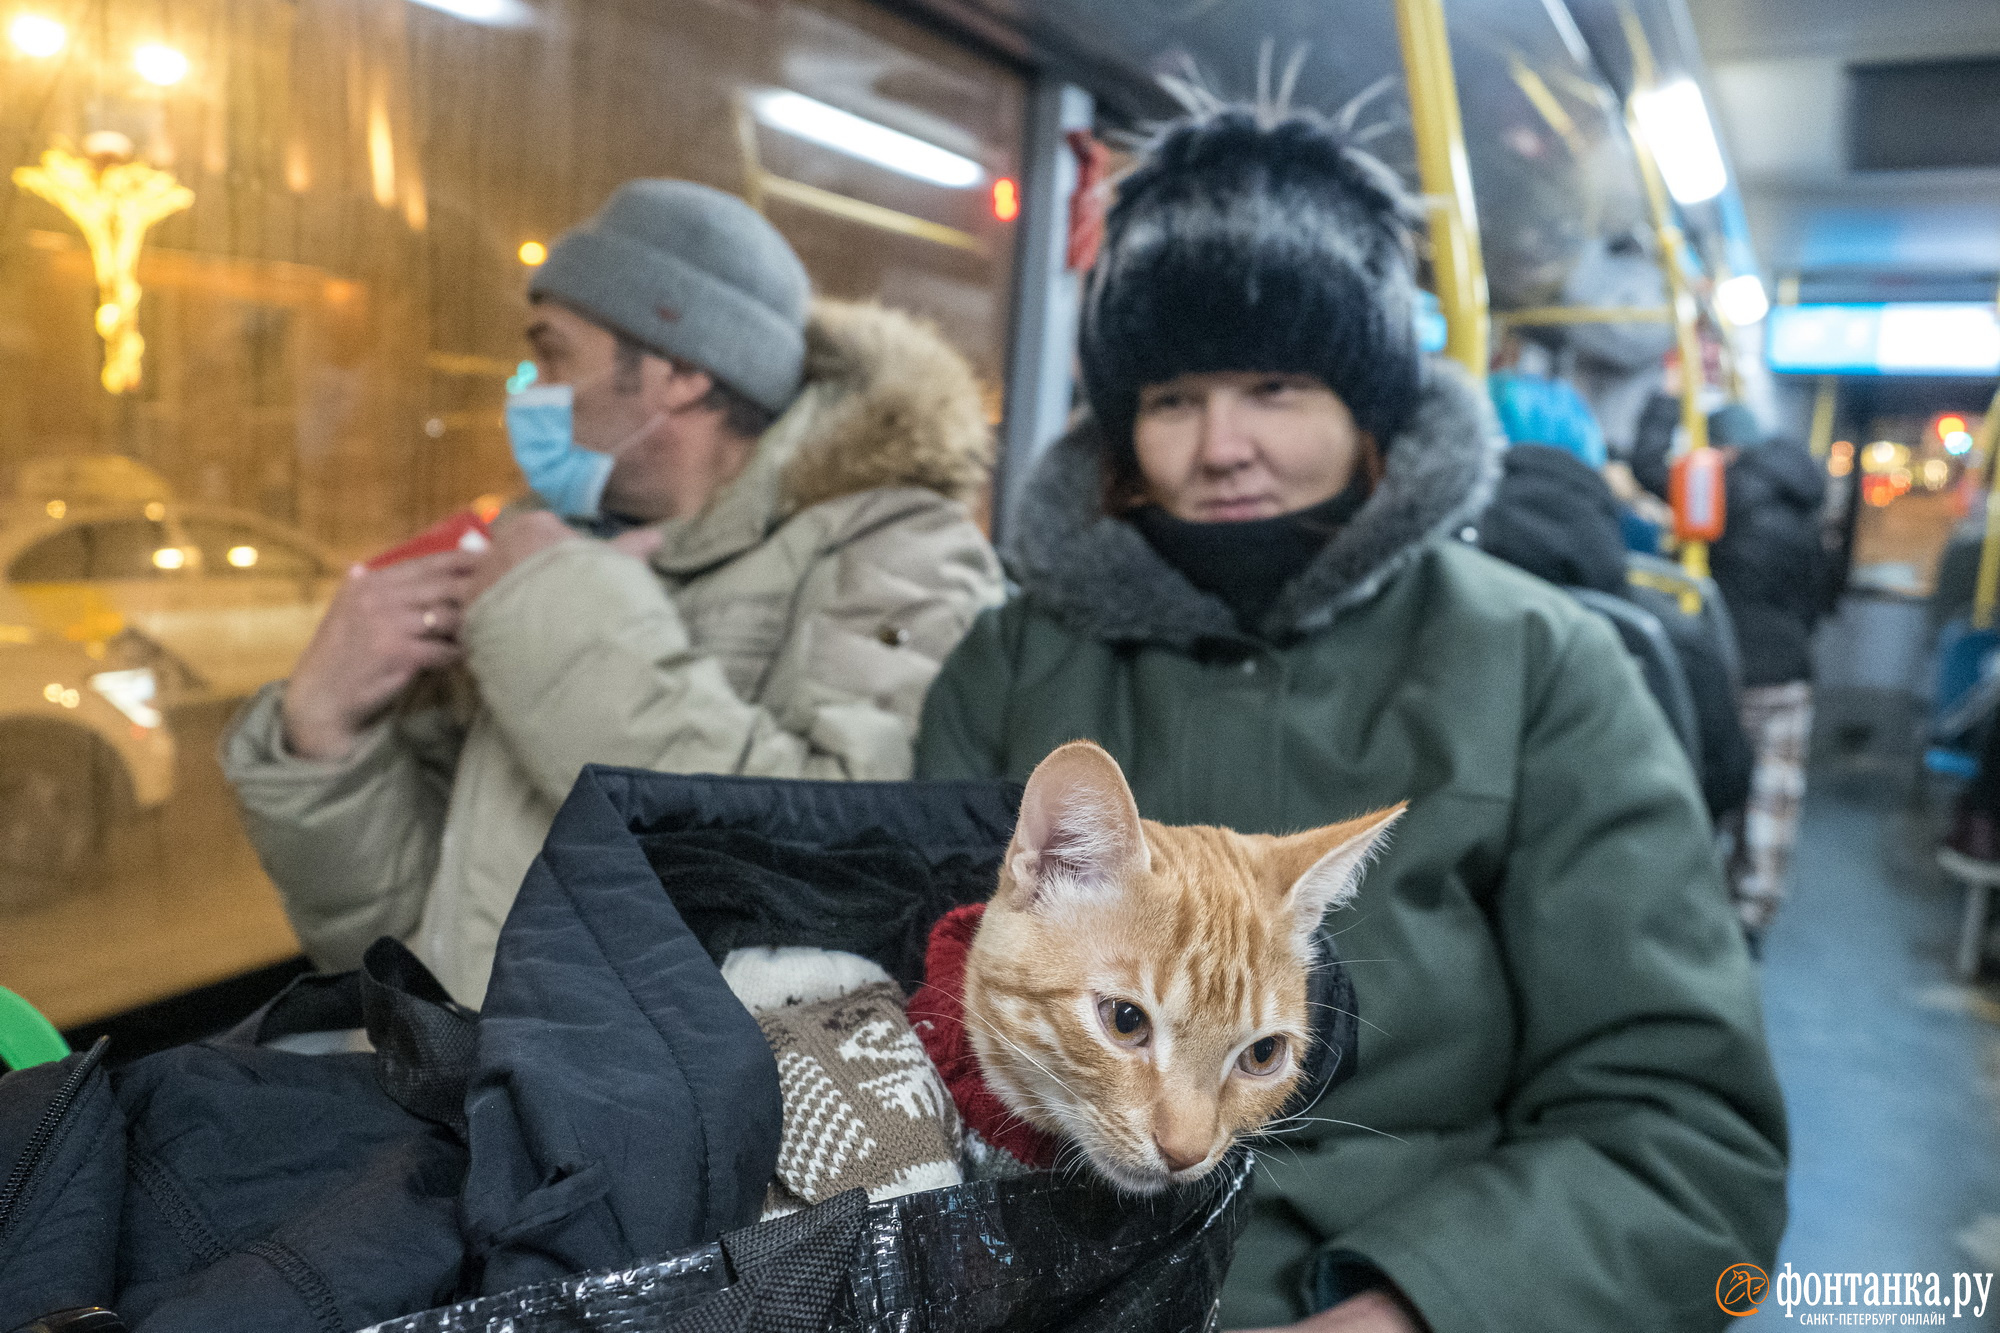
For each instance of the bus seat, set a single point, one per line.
(1961, 655)
(1647, 641)
(1651, 577)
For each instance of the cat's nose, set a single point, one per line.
(1180, 1156)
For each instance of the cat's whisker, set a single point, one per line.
(1078, 1159)
(1320, 1004)
(1330, 1120)
(988, 1029)
(1261, 1158)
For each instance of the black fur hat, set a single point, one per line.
(1245, 243)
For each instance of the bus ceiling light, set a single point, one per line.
(533, 253)
(487, 13)
(1741, 300)
(1677, 128)
(161, 65)
(830, 127)
(37, 35)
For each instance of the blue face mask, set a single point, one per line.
(541, 428)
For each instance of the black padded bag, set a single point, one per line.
(591, 1151)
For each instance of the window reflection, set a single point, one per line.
(324, 337)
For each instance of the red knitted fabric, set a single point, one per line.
(937, 1012)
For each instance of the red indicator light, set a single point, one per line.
(1006, 200)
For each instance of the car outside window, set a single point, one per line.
(134, 548)
(117, 549)
(63, 558)
(235, 549)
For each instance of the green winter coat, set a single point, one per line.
(1564, 1116)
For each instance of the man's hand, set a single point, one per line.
(639, 543)
(1370, 1312)
(516, 537)
(383, 627)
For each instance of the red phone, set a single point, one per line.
(463, 531)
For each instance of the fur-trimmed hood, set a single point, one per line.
(887, 403)
(1098, 575)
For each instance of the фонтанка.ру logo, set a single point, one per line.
(1739, 1289)
(1855, 1298)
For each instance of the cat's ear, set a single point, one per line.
(1078, 832)
(1324, 865)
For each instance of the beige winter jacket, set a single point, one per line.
(791, 629)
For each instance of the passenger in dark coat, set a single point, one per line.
(1555, 517)
(1653, 442)
(1769, 562)
(1562, 1114)
(1771, 568)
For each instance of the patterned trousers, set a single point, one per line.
(1778, 720)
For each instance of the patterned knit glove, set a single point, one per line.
(864, 1107)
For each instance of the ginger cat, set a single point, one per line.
(1139, 989)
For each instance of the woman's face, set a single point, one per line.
(1232, 445)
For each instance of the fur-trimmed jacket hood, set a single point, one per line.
(1099, 576)
(887, 404)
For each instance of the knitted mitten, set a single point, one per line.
(863, 1105)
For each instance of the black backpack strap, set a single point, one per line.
(424, 1040)
(789, 1271)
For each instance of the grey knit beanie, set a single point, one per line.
(694, 273)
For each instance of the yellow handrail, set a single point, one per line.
(1825, 401)
(761, 185)
(1673, 265)
(1447, 181)
(1986, 591)
(1540, 315)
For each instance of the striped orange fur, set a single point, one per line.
(1139, 989)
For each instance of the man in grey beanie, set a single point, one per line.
(750, 552)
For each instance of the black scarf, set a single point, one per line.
(1247, 563)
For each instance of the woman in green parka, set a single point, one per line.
(1244, 575)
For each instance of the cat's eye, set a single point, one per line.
(1264, 1056)
(1125, 1021)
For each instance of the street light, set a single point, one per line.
(158, 64)
(37, 35)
